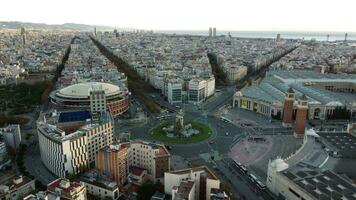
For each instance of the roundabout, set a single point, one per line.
(202, 132)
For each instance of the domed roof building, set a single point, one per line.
(78, 96)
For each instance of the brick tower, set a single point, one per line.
(301, 118)
(288, 108)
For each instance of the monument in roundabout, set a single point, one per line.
(181, 131)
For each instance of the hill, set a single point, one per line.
(68, 26)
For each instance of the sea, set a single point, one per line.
(319, 36)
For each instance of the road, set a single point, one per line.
(224, 136)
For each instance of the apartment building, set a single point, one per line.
(16, 188)
(113, 161)
(64, 189)
(191, 184)
(99, 186)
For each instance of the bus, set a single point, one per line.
(257, 182)
(260, 185)
(240, 167)
(224, 119)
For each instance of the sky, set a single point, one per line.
(263, 15)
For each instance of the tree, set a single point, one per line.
(148, 189)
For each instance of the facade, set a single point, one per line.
(288, 108)
(3, 153)
(64, 189)
(17, 188)
(210, 86)
(193, 91)
(97, 99)
(196, 93)
(325, 93)
(174, 91)
(191, 184)
(11, 135)
(154, 158)
(134, 161)
(87, 95)
(113, 161)
(235, 73)
(69, 141)
(301, 117)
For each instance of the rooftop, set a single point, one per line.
(95, 178)
(276, 83)
(205, 169)
(322, 185)
(83, 89)
(64, 185)
(184, 188)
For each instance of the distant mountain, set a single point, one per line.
(70, 26)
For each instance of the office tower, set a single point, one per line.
(278, 37)
(327, 37)
(301, 118)
(95, 31)
(345, 37)
(214, 32)
(210, 32)
(288, 108)
(23, 35)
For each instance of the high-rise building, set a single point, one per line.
(97, 99)
(210, 32)
(327, 37)
(95, 31)
(69, 141)
(23, 35)
(301, 117)
(278, 37)
(155, 158)
(112, 161)
(11, 135)
(214, 32)
(288, 108)
(174, 92)
(196, 92)
(345, 37)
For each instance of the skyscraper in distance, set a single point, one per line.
(210, 32)
(214, 32)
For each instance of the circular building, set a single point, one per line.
(80, 96)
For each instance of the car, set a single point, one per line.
(168, 147)
(227, 133)
(211, 142)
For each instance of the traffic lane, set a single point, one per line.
(244, 190)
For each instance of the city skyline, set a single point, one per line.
(255, 15)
